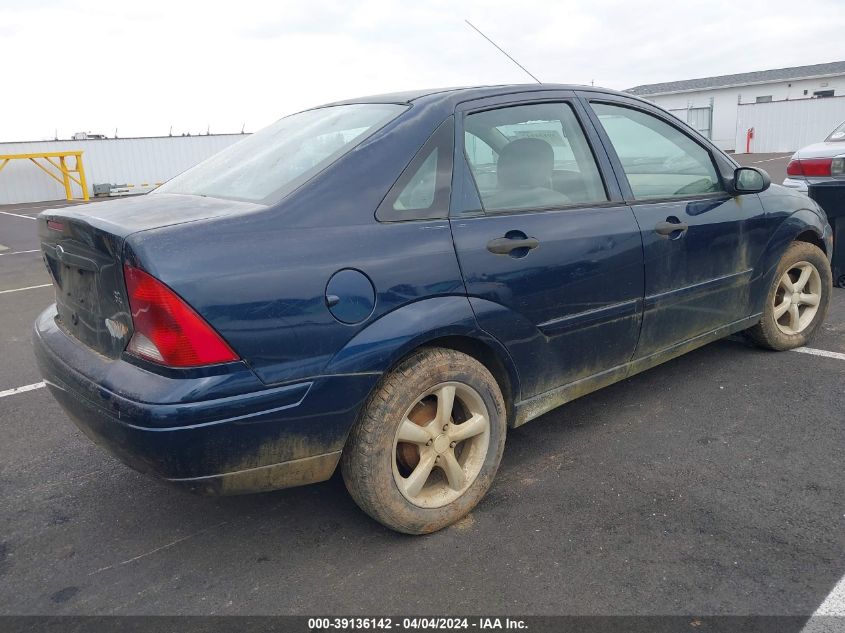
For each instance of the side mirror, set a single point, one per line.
(750, 180)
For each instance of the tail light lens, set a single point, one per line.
(794, 168)
(167, 330)
(810, 167)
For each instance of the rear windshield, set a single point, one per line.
(269, 164)
(838, 134)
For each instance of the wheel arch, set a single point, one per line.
(500, 367)
(802, 225)
(447, 322)
(812, 237)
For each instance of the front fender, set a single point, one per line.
(380, 345)
(790, 227)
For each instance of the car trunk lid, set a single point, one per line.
(85, 265)
(825, 149)
(83, 250)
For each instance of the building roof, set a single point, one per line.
(741, 79)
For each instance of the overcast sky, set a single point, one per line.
(142, 67)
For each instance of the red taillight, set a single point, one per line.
(794, 168)
(167, 330)
(809, 167)
(56, 226)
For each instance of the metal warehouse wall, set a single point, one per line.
(786, 126)
(725, 100)
(117, 161)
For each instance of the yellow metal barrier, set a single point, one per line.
(66, 172)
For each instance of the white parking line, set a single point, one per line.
(766, 160)
(2, 292)
(37, 250)
(12, 392)
(820, 352)
(18, 215)
(833, 605)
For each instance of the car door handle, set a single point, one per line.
(669, 226)
(504, 245)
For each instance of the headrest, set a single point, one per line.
(525, 162)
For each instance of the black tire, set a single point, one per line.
(371, 456)
(767, 333)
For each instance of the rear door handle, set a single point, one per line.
(504, 245)
(669, 226)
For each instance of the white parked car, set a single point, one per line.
(818, 163)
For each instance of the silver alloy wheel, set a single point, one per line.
(441, 445)
(797, 298)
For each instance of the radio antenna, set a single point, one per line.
(503, 51)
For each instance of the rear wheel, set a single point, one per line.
(797, 301)
(428, 443)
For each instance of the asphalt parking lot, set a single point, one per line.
(709, 485)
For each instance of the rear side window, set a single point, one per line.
(424, 188)
(269, 164)
(420, 191)
(531, 157)
(659, 160)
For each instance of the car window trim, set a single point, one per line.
(690, 197)
(559, 208)
(464, 109)
(629, 196)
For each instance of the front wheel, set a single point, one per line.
(428, 442)
(797, 300)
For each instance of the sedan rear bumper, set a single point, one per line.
(259, 440)
(796, 183)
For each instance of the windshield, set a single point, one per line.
(269, 164)
(838, 134)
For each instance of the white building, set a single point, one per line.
(140, 163)
(782, 105)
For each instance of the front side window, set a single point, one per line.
(531, 157)
(269, 164)
(659, 160)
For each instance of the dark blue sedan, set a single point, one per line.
(387, 283)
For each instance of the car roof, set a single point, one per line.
(468, 93)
